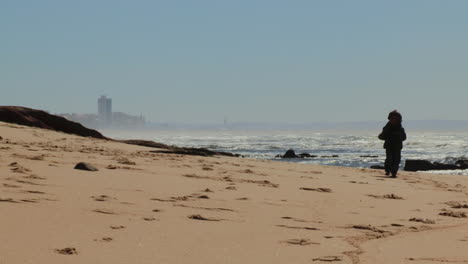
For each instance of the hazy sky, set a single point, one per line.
(252, 60)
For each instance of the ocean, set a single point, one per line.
(348, 149)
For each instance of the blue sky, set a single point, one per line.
(258, 60)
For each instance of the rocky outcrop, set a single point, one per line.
(290, 154)
(37, 118)
(196, 152)
(145, 143)
(425, 165)
(177, 150)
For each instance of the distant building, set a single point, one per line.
(106, 119)
(105, 111)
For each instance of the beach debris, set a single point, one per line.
(301, 242)
(117, 227)
(8, 200)
(386, 196)
(199, 217)
(149, 218)
(298, 227)
(101, 211)
(457, 205)
(327, 190)
(85, 166)
(67, 251)
(204, 197)
(422, 220)
(328, 258)
(454, 214)
(208, 190)
(125, 161)
(18, 168)
(368, 227)
(101, 198)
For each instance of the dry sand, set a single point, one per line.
(143, 207)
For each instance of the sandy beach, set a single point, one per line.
(147, 207)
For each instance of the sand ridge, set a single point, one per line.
(147, 207)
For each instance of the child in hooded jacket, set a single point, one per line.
(394, 134)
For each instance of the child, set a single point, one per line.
(394, 134)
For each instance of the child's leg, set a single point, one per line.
(388, 160)
(396, 154)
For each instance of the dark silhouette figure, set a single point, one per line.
(394, 134)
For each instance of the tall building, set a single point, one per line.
(105, 110)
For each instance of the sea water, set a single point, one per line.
(349, 149)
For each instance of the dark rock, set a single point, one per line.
(369, 156)
(443, 166)
(307, 155)
(329, 156)
(290, 154)
(37, 118)
(195, 151)
(418, 165)
(377, 167)
(145, 143)
(424, 165)
(85, 166)
(462, 163)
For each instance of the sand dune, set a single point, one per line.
(147, 207)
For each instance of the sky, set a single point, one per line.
(245, 60)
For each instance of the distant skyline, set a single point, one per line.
(247, 61)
